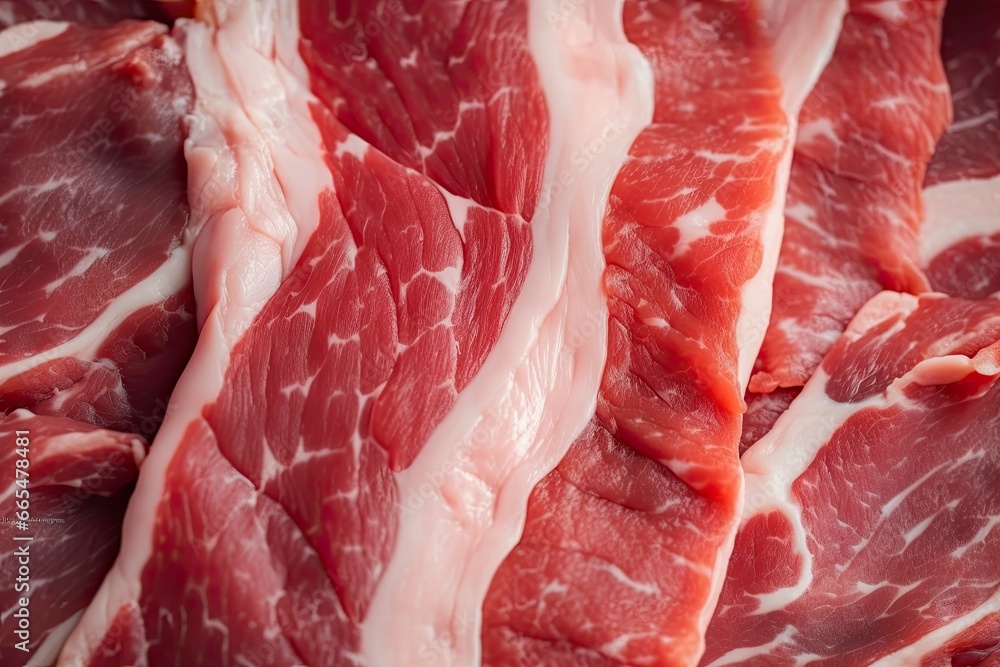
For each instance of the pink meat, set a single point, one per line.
(77, 481)
(868, 531)
(961, 237)
(853, 213)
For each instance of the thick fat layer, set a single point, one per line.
(76, 482)
(28, 34)
(382, 302)
(853, 211)
(239, 162)
(643, 508)
(875, 494)
(466, 492)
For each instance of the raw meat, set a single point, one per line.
(94, 13)
(96, 307)
(867, 132)
(465, 268)
(329, 437)
(868, 529)
(961, 238)
(77, 481)
(626, 541)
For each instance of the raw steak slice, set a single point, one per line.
(74, 486)
(464, 496)
(415, 373)
(626, 541)
(868, 529)
(96, 307)
(961, 237)
(853, 213)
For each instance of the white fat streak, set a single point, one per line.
(980, 537)
(956, 211)
(912, 654)
(81, 267)
(820, 128)
(775, 461)
(804, 35)
(537, 389)
(741, 655)
(807, 277)
(642, 587)
(252, 232)
(893, 12)
(459, 209)
(352, 145)
(696, 224)
(24, 35)
(167, 280)
(44, 77)
(779, 458)
(9, 255)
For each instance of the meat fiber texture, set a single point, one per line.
(867, 132)
(854, 209)
(627, 540)
(403, 337)
(960, 244)
(96, 307)
(446, 358)
(478, 288)
(76, 479)
(868, 529)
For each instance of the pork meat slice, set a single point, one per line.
(853, 211)
(867, 132)
(960, 243)
(626, 542)
(391, 404)
(76, 483)
(869, 528)
(96, 306)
